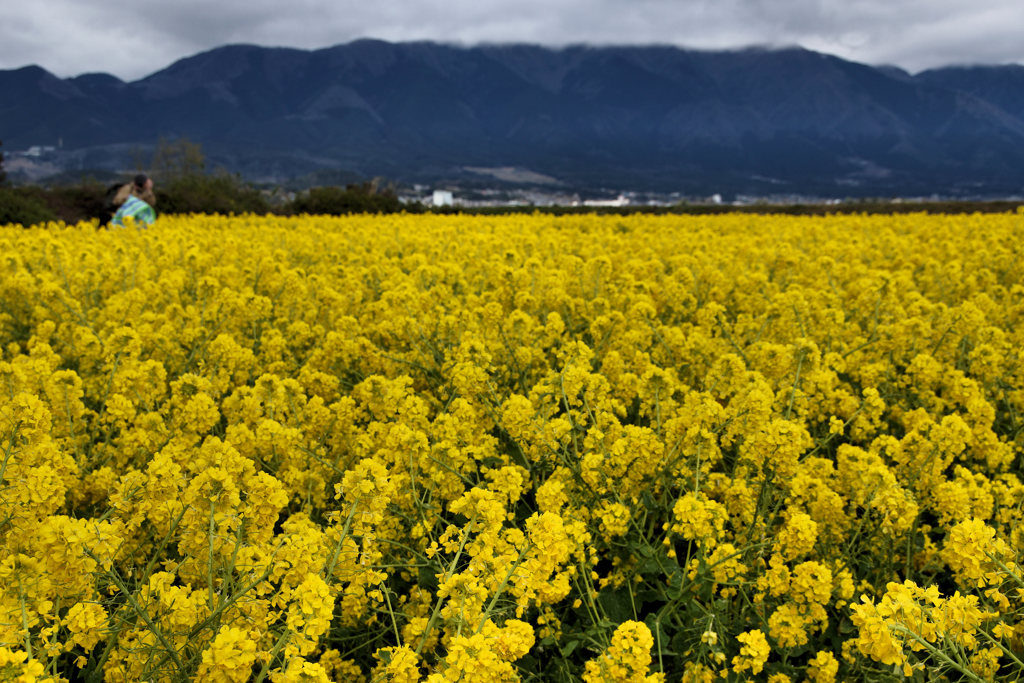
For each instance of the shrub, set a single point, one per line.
(337, 201)
(79, 202)
(220, 193)
(23, 206)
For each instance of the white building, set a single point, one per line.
(442, 198)
(39, 150)
(621, 200)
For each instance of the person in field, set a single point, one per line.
(134, 200)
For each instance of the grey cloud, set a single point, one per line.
(70, 37)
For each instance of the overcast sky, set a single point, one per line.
(135, 38)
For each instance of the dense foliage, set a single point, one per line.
(337, 201)
(443, 448)
(216, 193)
(23, 208)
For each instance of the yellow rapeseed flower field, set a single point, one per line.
(519, 448)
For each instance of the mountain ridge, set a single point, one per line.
(630, 117)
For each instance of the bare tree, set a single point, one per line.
(177, 158)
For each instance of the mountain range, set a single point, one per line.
(654, 118)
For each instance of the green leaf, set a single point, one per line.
(617, 605)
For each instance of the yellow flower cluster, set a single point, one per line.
(918, 618)
(627, 659)
(443, 448)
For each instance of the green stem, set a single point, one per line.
(391, 612)
(447, 577)
(273, 654)
(341, 540)
(939, 654)
(24, 617)
(209, 566)
(501, 588)
(144, 615)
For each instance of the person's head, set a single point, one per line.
(142, 187)
(143, 182)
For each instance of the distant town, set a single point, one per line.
(504, 187)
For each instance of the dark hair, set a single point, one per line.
(140, 180)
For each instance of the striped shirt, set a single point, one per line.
(136, 209)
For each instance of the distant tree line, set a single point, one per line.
(184, 185)
(226, 194)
